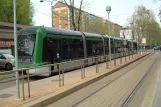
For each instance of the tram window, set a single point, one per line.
(94, 48)
(89, 48)
(77, 47)
(72, 48)
(117, 48)
(26, 44)
(65, 49)
(106, 47)
(98, 47)
(112, 46)
(45, 56)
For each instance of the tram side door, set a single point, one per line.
(57, 52)
(52, 51)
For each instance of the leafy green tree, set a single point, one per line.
(156, 1)
(24, 10)
(144, 25)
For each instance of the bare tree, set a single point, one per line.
(73, 13)
(80, 14)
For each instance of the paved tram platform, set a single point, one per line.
(44, 91)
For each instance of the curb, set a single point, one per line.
(51, 98)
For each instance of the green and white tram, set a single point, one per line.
(39, 46)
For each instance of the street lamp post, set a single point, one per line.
(108, 9)
(132, 38)
(51, 11)
(141, 40)
(15, 48)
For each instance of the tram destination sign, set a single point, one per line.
(126, 34)
(144, 40)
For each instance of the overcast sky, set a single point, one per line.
(121, 10)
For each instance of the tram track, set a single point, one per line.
(104, 86)
(88, 92)
(138, 85)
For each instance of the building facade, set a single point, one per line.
(88, 22)
(61, 16)
(7, 36)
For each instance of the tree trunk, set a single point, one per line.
(80, 14)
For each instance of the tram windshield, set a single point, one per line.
(26, 44)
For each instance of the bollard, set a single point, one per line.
(115, 59)
(84, 69)
(97, 70)
(98, 64)
(107, 62)
(137, 54)
(62, 77)
(28, 81)
(125, 56)
(120, 58)
(59, 77)
(81, 69)
(23, 91)
(129, 55)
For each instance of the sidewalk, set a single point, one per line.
(51, 85)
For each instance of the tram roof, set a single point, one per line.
(31, 30)
(62, 31)
(106, 36)
(117, 38)
(132, 40)
(92, 35)
(52, 30)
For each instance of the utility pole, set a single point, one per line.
(108, 9)
(15, 48)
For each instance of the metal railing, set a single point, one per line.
(62, 68)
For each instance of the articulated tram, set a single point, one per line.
(38, 46)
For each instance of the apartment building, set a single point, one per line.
(89, 22)
(61, 16)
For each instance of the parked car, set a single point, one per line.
(6, 61)
(157, 48)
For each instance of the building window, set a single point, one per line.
(59, 25)
(65, 12)
(59, 21)
(66, 23)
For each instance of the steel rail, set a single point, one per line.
(138, 85)
(99, 89)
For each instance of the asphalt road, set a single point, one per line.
(12, 83)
